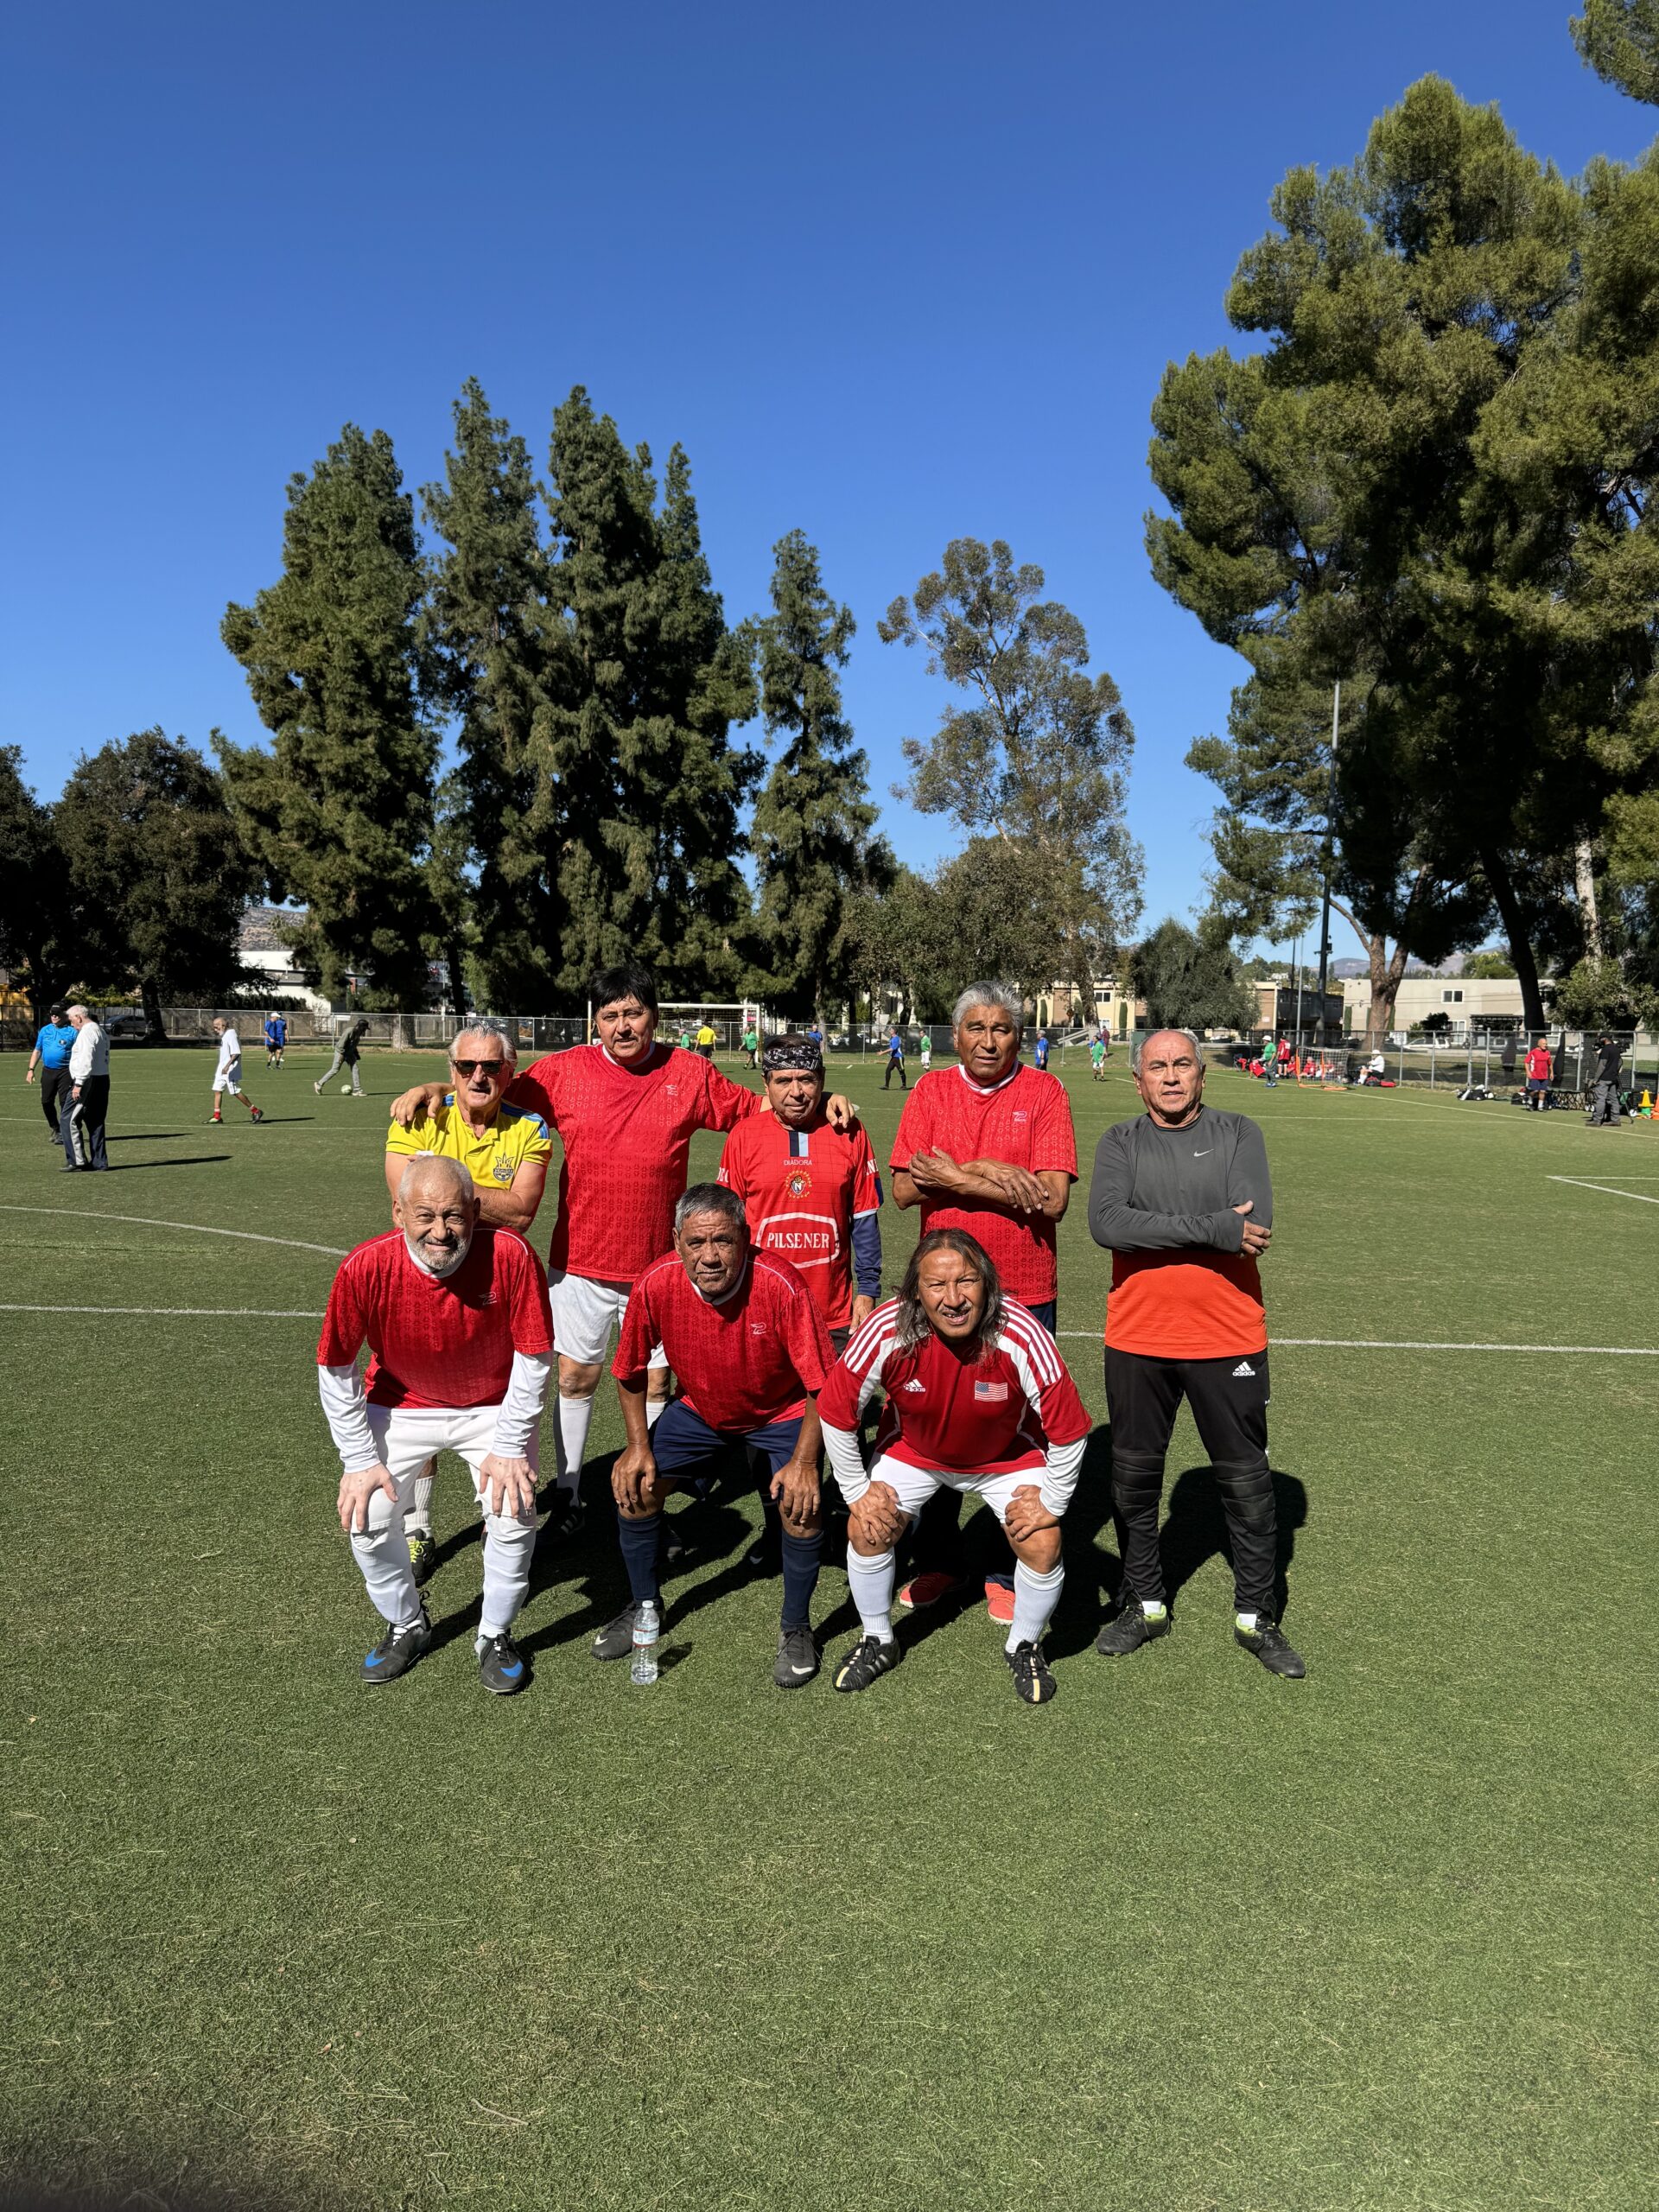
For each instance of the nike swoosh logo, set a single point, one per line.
(1204, 1154)
(800, 1670)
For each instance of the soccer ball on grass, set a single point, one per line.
(345, 1090)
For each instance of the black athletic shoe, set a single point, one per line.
(868, 1660)
(1129, 1628)
(1032, 1680)
(615, 1639)
(397, 1651)
(798, 1659)
(567, 1519)
(423, 1555)
(499, 1666)
(1267, 1641)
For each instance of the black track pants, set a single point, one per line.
(1228, 1398)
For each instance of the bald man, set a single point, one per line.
(460, 1339)
(1181, 1200)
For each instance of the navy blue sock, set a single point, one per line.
(801, 1557)
(639, 1541)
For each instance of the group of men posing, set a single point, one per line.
(760, 1296)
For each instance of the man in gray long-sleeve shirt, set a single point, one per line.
(1182, 1200)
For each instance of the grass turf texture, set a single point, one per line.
(1190, 1936)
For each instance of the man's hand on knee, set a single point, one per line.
(355, 1493)
(507, 1486)
(875, 1523)
(795, 1487)
(1027, 1516)
(633, 1481)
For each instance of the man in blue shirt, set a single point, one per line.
(1040, 1051)
(275, 1038)
(51, 1055)
(895, 1062)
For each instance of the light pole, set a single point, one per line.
(1330, 814)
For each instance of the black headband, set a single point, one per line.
(792, 1053)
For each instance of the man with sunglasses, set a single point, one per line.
(505, 1149)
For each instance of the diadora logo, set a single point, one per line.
(1019, 1114)
(1243, 1368)
(914, 1385)
(757, 1328)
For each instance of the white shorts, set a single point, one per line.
(229, 1079)
(913, 1486)
(584, 1312)
(406, 1436)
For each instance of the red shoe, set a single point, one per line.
(215, 1118)
(924, 1590)
(999, 1603)
(258, 1115)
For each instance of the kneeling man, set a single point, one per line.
(741, 1332)
(978, 1400)
(461, 1340)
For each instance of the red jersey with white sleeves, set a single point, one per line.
(438, 1340)
(803, 1189)
(742, 1363)
(1025, 1120)
(959, 1413)
(627, 1136)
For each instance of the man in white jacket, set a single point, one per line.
(86, 1108)
(461, 1337)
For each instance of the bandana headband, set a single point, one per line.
(800, 1052)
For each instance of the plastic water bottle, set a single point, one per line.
(646, 1629)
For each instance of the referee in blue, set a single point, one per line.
(52, 1044)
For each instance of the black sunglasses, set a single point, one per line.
(484, 1067)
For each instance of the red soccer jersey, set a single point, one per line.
(438, 1340)
(1025, 1120)
(626, 1138)
(742, 1364)
(994, 1413)
(802, 1190)
(1538, 1063)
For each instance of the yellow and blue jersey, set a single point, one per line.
(493, 1156)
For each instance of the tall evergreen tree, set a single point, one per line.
(1619, 40)
(1190, 979)
(159, 874)
(36, 901)
(811, 833)
(339, 813)
(489, 618)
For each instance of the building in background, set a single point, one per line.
(262, 951)
(1063, 1007)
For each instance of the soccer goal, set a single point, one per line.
(679, 1021)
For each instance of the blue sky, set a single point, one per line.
(892, 275)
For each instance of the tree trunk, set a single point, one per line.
(149, 992)
(1496, 872)
(1583, 882)
(1386, 969)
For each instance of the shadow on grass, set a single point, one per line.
(148, 1166)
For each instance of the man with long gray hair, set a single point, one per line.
(1181, 1200)
(460, 1339)
(505, 1149)
(987, 1146)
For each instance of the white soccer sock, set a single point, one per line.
(869, 1581)
(655, 1408)
(1035, 1597)
(417, 1521)
(575, 1415)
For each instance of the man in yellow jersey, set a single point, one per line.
(505, 1149)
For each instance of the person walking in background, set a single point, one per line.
(924, 1051)
(1182, 1201)
(275, 1039)
(751, 1041)
(1537, 1075)
(1097, 1058)
(54, 1042)
(1040, 1051)
(86, 1109)
(707, 1039)
(1609, 1059)
(228, 1074)
(347, 1053)
(895, 1062)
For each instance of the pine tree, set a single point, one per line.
(159, 874)
(488, 615)
(339, 813)
(810, 832)
(1619, 40)
(37, 930)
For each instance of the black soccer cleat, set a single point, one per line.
(868, 1660)
(423, 1555)
(1267, 1641)
(397, 1651)
(1033, 1680)
(501, 1669)
(1129, 1628)
(615, 1639)
(798, 1659)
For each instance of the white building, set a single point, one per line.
(1479, 1002)
(261, 950)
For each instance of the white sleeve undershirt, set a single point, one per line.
(347, 1405)
(840, 1447)
(521, 1408)
(1060, 1475)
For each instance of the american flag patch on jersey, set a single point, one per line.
(991, 1394)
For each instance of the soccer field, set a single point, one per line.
(1189, 1937)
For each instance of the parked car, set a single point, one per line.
(127, 1029)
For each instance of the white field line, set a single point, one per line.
(1612, 1189)
(191, 1312)
(1375, 1344)
(196, 1228)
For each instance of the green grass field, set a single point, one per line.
(1189, 1938)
